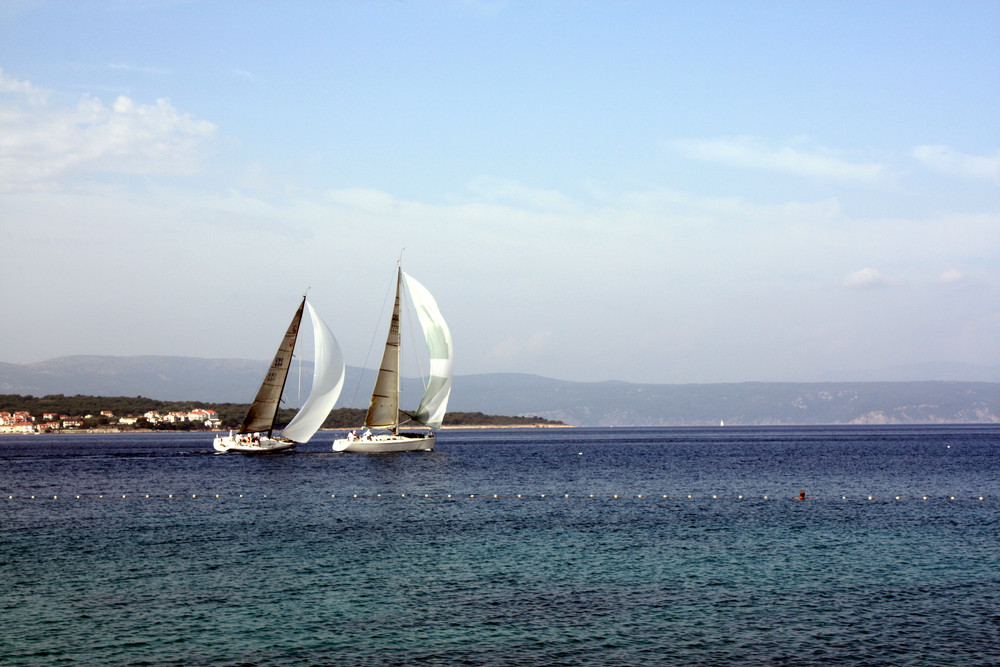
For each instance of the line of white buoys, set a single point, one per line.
(615, 496)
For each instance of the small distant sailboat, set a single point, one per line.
(256, 434)
(383, 412)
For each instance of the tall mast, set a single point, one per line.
(399, 346)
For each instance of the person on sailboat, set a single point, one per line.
(367, 434)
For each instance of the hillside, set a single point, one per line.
(576, 403)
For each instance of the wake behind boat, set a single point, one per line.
(256, 434)
(383, 412)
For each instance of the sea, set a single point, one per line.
(841, 545)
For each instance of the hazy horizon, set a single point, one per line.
(919, 372)
(647, 192)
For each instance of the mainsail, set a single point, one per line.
(260, 417)
(384, 408)
(328, 379)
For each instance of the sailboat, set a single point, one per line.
(256, 434)
(383, 412)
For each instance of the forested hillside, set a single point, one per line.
(230, 414)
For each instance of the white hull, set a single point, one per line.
(265, 445)
(387, 443)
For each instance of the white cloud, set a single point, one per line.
(33, 94)
(749, 153)
(43, 142)
(951, 276)
(868, 277)
(498, 189)
(947, 160)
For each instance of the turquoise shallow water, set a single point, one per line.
(426, 566)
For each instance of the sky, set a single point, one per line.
(657, 192)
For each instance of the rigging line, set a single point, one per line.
(371, 341)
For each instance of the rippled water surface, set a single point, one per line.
(507, 547)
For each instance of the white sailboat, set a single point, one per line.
(383, 412)
(256, 434)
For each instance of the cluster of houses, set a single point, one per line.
(24, 422)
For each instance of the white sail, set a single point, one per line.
(434, 403)
(328, 380)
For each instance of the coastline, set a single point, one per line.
(109, 431)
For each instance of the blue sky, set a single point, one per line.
(641, 191)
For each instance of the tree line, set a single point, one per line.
(230, 414)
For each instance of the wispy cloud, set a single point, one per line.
(947, 160)
(750, 153)
(41, 142)
(869, 278)
(507, 191)
(140, 69)
(951, 276)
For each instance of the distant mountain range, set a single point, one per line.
(576, 403)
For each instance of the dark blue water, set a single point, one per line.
(507, 547)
